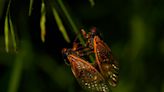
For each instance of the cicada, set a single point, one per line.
(103, 73)
(107, 65)
(87, 75)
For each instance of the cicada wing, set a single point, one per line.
(87, 76)
(107, 64)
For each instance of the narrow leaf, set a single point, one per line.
(30, 7)
(16, 75)
(17, 66)
(6, 33)
(74, 27)
(43, 22)
(6, 28)
(12, 34)
(60, 24)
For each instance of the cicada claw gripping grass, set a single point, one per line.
(92, 78)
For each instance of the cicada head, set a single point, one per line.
(65, 53)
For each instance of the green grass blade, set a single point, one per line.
(12, 34)
(6, 28)
(60, 24)
(22, 56)
(74, 27)
(30, 7)
(15, 77)
(43, 22)
(6, 33)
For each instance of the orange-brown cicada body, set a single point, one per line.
(107, 65)
(103, 73)
(87, 75)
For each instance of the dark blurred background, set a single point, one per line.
(134, 30)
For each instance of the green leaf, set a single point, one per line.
(6, 33)
(60, 24)
(30, 7)
(16, 73)
(6, 28)
(74, 27)
(43, 22)
(12, 34)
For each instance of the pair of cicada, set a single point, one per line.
(96, 77)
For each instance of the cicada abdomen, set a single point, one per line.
(87, 75)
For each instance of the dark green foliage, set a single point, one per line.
(133, 29)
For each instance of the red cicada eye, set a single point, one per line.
(87, 76)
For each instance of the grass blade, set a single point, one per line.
(74, 27)
(12, 34)
(60, 24)
(15, 76)
(30, 7)
(6, 28)
(43, 22)
(24, 55)
(6, 33)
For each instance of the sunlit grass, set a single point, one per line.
(43, 22)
